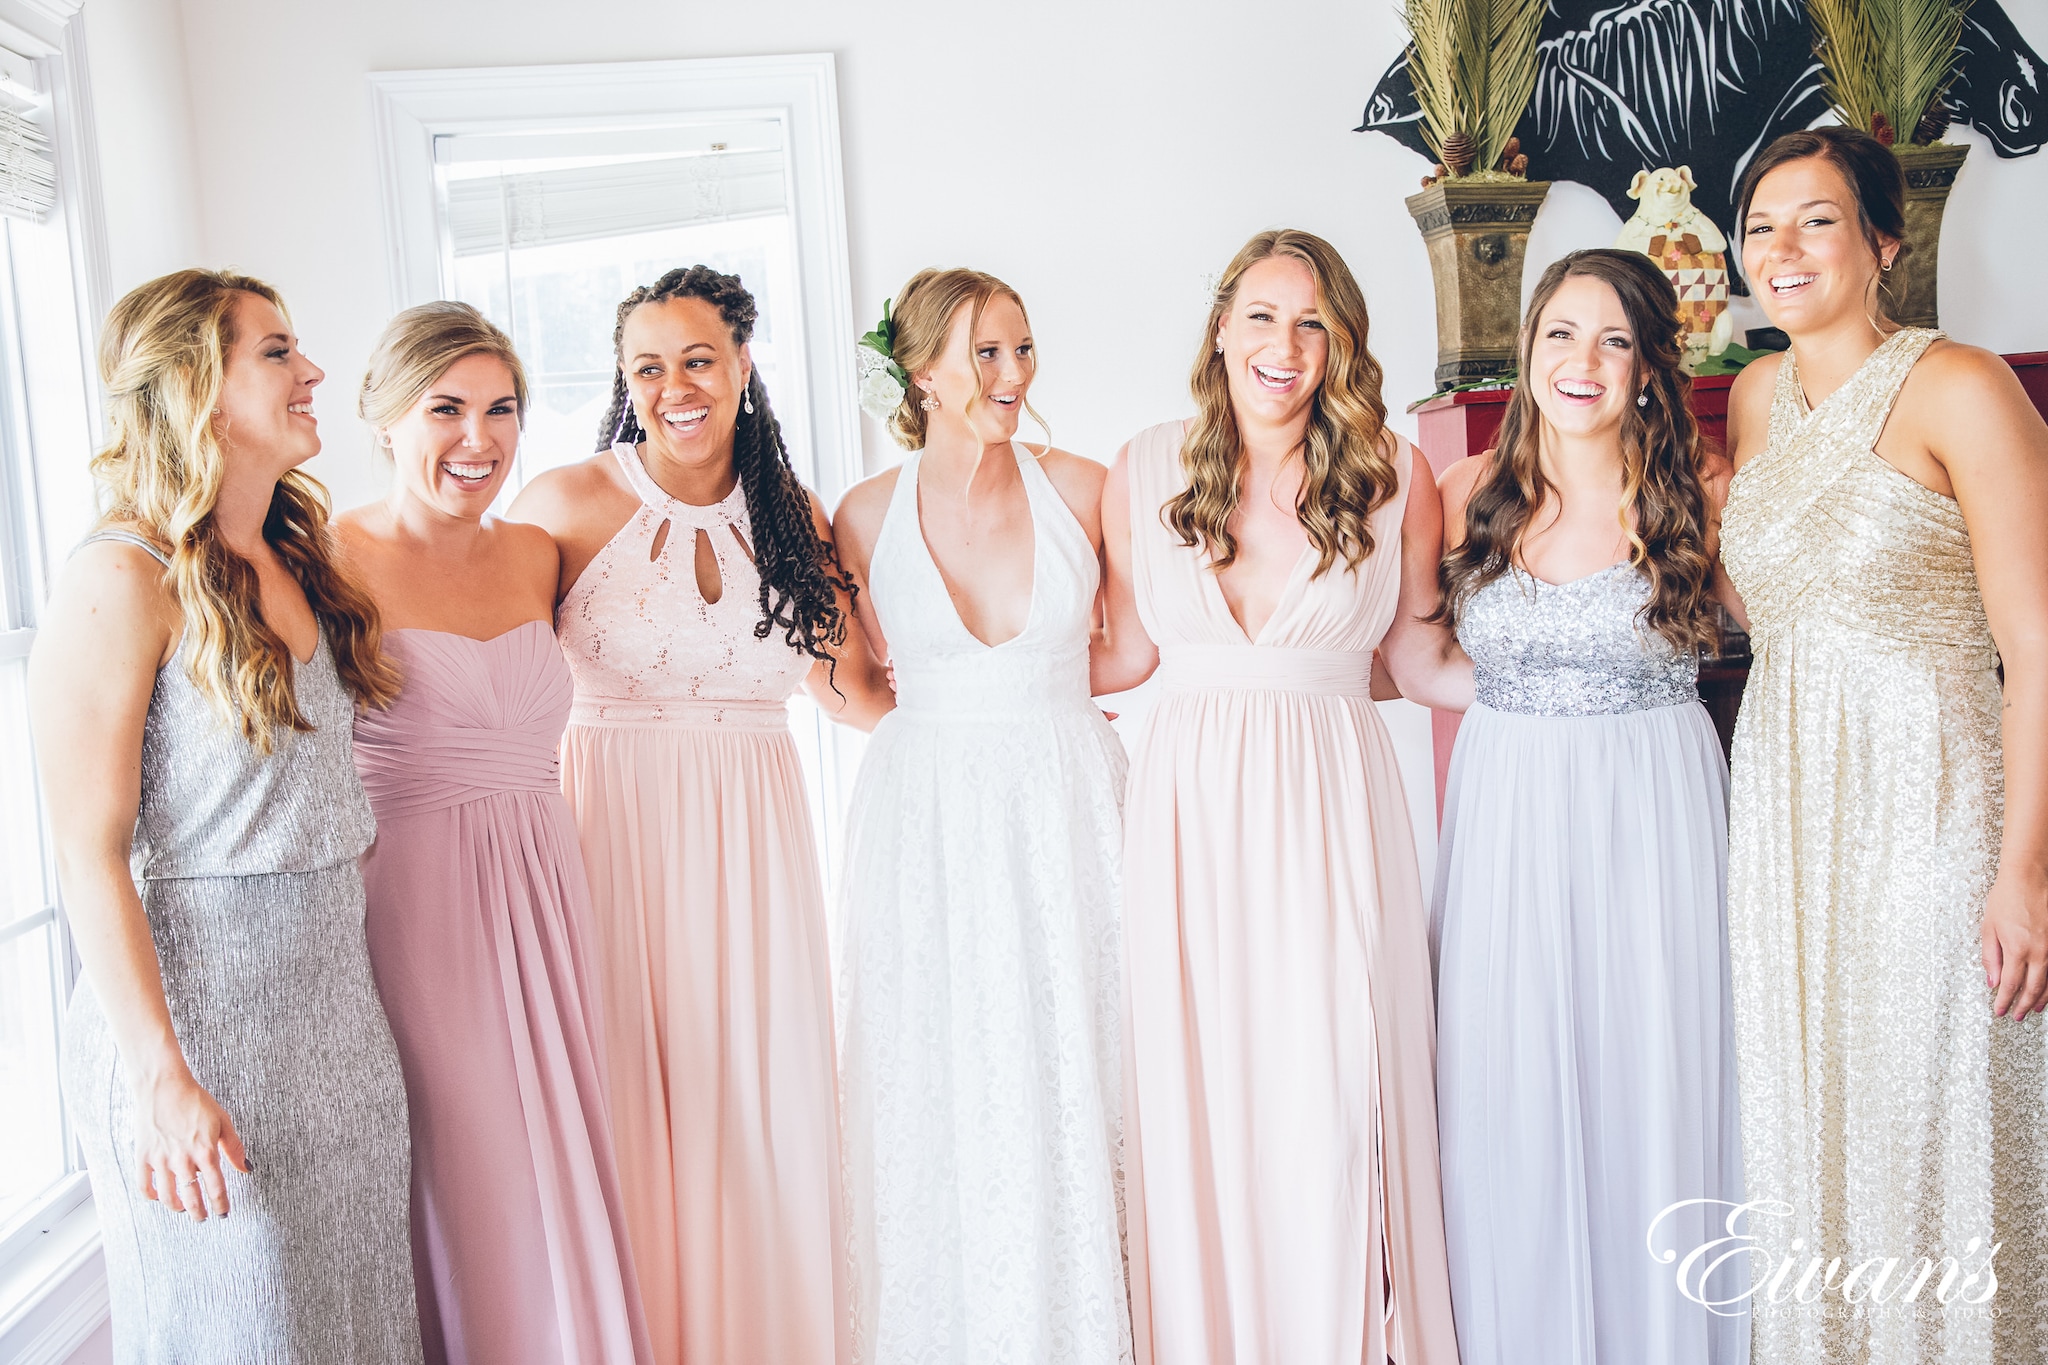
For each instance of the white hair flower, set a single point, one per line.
(881, 392)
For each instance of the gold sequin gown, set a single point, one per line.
(1885, 1108)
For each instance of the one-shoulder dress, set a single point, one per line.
(246, 863)
(1280, 1108)
(710, 911)
(480, 934)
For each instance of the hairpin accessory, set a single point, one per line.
(882, 381)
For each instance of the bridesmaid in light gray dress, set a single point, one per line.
(226, 1052)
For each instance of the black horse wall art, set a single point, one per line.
(1636, 85)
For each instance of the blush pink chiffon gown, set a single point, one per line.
(480, 936)
(687, 789)
(1280, 1111)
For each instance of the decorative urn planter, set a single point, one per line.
(1930, 175)
(1477, 233)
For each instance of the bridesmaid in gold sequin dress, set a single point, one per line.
(1887, 901)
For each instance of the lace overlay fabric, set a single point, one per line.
(643, 642)
(980, 976)
(1882, 1104)
(1572, 649)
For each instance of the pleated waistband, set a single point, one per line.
(1266, 668)
(682, 714)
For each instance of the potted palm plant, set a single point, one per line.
(1474, 67)
(1888, 65)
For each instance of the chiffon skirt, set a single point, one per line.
(1280, 1119)
(479, 931)
(1585, 1046)
(718, 1005)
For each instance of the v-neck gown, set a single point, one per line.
(480, 935)
(1280, 1114)
(710, 912)
(979, 979)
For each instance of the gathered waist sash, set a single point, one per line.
(683, 713)
(1266, 668)
(412, 771)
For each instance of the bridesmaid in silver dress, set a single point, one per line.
(1585, 1044)
(191, 696)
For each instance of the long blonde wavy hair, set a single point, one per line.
(923, 313)
(1348, 473)
(163, 359)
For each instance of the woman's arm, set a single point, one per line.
(1994, 446)
(1424, 657)
(1121, 655)
(1749, 428)
(854, 688)
(110, 627)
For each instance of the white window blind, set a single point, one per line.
(28, 171)
(546, 204)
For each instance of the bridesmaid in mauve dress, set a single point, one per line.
(1280, 1117)
(699, 592)
(479, 915)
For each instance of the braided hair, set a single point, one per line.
(800, 577)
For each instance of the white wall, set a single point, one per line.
(1104, 157)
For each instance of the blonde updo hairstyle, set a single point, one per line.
(163, 359)
(1347, 471)
(419, 346)
(923, 314)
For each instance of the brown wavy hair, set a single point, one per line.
(923, 315)
(1347, 473)
(163, 359)
(1663, 504)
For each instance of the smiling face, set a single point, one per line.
(265, 408)
(1582, 358)
(1805, 250)
(1275, 348)
(983, 375)
(453, 449)
(686, 376)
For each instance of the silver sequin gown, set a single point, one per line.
(1586, 1051)
(247, 869)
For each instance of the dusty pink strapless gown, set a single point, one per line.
(480, 935)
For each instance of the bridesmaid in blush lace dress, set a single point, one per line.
(479, 917)
(699, 592)
(1279, 1113)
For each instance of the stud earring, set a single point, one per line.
(1887, 267)
(1643, 400)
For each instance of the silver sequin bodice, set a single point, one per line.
(1571, 649)
(212, 806)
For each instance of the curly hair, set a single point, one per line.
(1347, 472)
(163, 359)
(1663, 506)
(800, 577)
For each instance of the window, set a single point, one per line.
(542, 195)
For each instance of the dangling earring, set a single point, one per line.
(748, 406)
(1643, 399)
(931, 402)
(625, 419)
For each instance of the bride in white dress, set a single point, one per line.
(979, 976)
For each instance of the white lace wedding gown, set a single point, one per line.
(979, 977)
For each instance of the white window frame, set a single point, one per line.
(53, 1282)
(801, 92)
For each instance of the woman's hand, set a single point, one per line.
(2015, 936)
(181, 1137)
